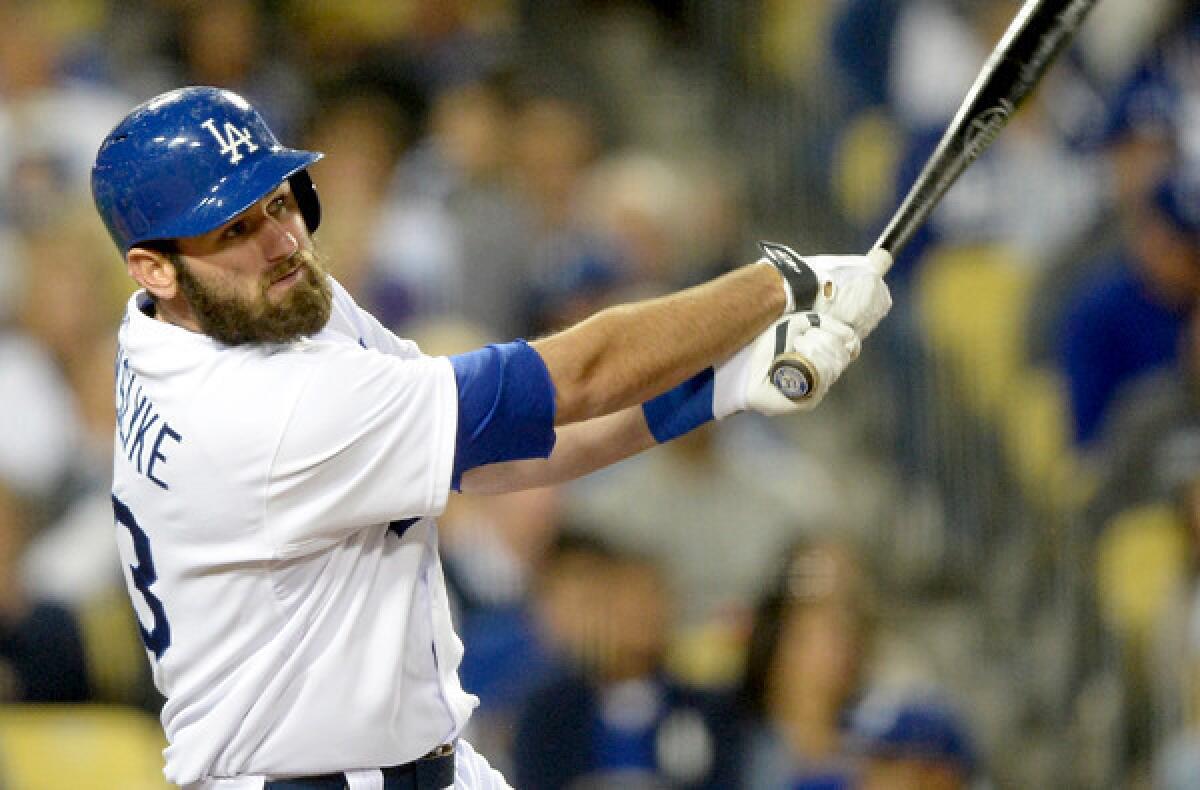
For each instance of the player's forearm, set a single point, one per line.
(627, 354)
(580, 449)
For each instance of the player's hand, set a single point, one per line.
(742, 383)
(846, 287)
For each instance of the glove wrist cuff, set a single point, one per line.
(801, 281)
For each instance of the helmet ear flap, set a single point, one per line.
(305, 192)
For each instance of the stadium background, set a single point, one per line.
(955, 524)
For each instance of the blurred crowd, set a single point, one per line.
(975, 565)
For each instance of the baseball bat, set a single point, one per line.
(1041, 30)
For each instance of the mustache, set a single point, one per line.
(300, 259)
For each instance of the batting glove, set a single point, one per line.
(742, 383)
(848, 288)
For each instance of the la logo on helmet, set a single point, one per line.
(234, 139)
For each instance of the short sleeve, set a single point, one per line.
(370, 440)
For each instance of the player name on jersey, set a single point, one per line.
(141, 430)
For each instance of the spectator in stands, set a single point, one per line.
(72, 294)
(1133, 143)
(363, 131)
(1129, 319)
(58, 377)
(454, 234)
(861, 48)
(689, 494)
(493, 549)
(641, 201)
(573, 269)
(49, 121)
(37, 459)
(570, 579)
(555, 141)
(912, 742)
(232, 43)
(41, 644)
(1141, 133)
(1152, 441)
(803, 671)
(49, 125)
(618, 718)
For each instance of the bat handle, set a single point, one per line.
(791, 373)
(794, 376)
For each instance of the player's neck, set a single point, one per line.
(168, 311)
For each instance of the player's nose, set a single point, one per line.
(279, 242)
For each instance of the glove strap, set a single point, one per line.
(802, 283)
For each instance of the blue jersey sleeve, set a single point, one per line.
(505, 407)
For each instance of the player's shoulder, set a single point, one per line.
(349, 320)
(344, 318)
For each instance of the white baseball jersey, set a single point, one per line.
(294, 626)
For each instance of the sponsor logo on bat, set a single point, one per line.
(984, 127)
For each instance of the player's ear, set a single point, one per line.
(153, 270)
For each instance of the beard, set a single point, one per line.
(233, 320)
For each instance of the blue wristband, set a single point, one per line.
(682, 409)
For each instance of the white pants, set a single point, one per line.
(471, 772)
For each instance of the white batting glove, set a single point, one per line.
(846, 287)
(742, 382)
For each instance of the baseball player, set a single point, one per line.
(280, 456)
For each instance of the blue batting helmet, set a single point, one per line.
(190, 160)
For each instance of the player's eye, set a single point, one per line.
(277, 205)
(235, 230)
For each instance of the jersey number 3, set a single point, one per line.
(158, 638)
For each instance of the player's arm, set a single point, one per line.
(738, 384)
(627, 354)
(512, 396)
(580, 448)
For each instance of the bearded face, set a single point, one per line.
(234, 318)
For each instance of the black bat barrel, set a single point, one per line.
(1040, 31)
